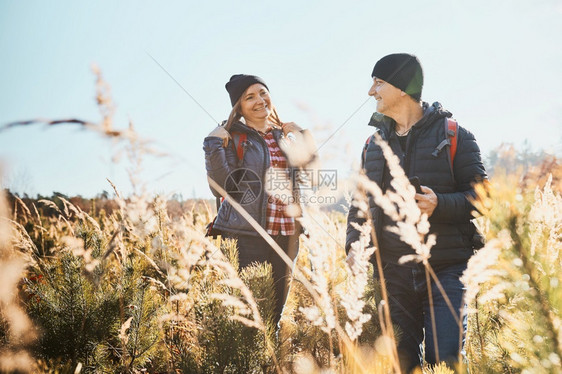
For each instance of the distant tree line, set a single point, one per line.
(532, 165)
(103, 203)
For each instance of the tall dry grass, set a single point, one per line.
(17, 332)
(514, 281)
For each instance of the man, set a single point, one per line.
(416, 132)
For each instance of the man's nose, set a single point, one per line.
(372, 90)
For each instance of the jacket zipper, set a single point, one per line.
(406, 154)
(378, 209)
(263, 207)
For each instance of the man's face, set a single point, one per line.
(386, 94)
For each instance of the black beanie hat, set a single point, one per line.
(403, 71)
(238, 83)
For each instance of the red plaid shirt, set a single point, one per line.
(277, 221)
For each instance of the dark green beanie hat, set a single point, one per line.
(403, 71)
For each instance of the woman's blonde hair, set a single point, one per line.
(235, 115)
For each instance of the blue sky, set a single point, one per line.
(494, 64)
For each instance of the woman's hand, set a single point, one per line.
(291, 127)
(220, 132)
(300, 148)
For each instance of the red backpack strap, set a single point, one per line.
(452, 130)
(239, 143)
(365, 149)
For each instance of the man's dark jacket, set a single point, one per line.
(451, 220)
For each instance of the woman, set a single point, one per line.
(246, 159)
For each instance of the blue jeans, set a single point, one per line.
(410, 310)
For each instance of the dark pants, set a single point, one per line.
(410, 311)
(256, 249)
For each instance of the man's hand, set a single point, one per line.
(427, 202)
(220, 132)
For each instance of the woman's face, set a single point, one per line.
(255, 103)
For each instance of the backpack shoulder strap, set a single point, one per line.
(452, 131)
(240, 143)
(367, 142)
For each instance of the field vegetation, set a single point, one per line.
(131, 284)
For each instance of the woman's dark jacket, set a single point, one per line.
(451, 219)
(244, 180)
